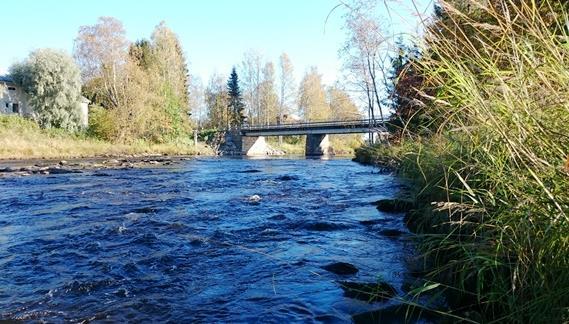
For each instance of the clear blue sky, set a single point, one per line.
(214, 33)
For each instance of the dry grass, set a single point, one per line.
(23, 139)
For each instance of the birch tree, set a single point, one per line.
(268, 96)
(365, 53)
(217, 102)
(251, 68)
(312, 97)
(101, 51)
(342, 107)
(287, 87)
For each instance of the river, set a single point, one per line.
(191, 242)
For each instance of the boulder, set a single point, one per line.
(341, 268)
(394, 205)
(254, 199)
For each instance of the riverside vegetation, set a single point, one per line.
(482, 124)
(24, 139)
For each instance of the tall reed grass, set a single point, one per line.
(495, 171)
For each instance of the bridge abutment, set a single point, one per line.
(254, 145)
(318, 145)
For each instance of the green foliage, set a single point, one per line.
(143, 86)
(52, 82)
(101, 123)
(217, 102)
(312, 99)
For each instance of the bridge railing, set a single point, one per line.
(302, 125)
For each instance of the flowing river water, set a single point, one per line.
(191, 242)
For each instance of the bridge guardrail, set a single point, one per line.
(300, 125)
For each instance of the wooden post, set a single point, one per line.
(195, 137)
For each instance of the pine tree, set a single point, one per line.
(236, 106)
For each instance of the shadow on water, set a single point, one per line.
(209, 240)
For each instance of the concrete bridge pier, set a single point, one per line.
(318, 145)
(254, 145)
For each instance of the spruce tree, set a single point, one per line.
(236, 106)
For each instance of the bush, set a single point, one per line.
(101, 124)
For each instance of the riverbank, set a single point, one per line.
(464, 246)
(27, 167)
(23, 139)
(480, 133)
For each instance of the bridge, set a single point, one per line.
(252, 137)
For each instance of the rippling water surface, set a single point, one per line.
(185, 243)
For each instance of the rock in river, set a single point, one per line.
(394, 205)
(391, 232)
(254, 199)
(287, 178)
(341, 268)
(250, 171)
(324, 226)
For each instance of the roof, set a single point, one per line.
(5, 78)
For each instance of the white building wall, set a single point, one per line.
(84, 113)
(8, 99)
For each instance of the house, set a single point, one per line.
(13, 100)
(288, 119)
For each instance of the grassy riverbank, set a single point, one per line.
(23, 139)
(487, 154)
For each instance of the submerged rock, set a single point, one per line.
(287, 178)
(144, 210)
(250, 171)
(391, 232)
(341, 268)
(368, 292)
(278, 217)
(394, 205)
(371, 222)
(324, 226)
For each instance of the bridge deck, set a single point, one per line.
(306, 128)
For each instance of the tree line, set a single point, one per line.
(143, 89)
